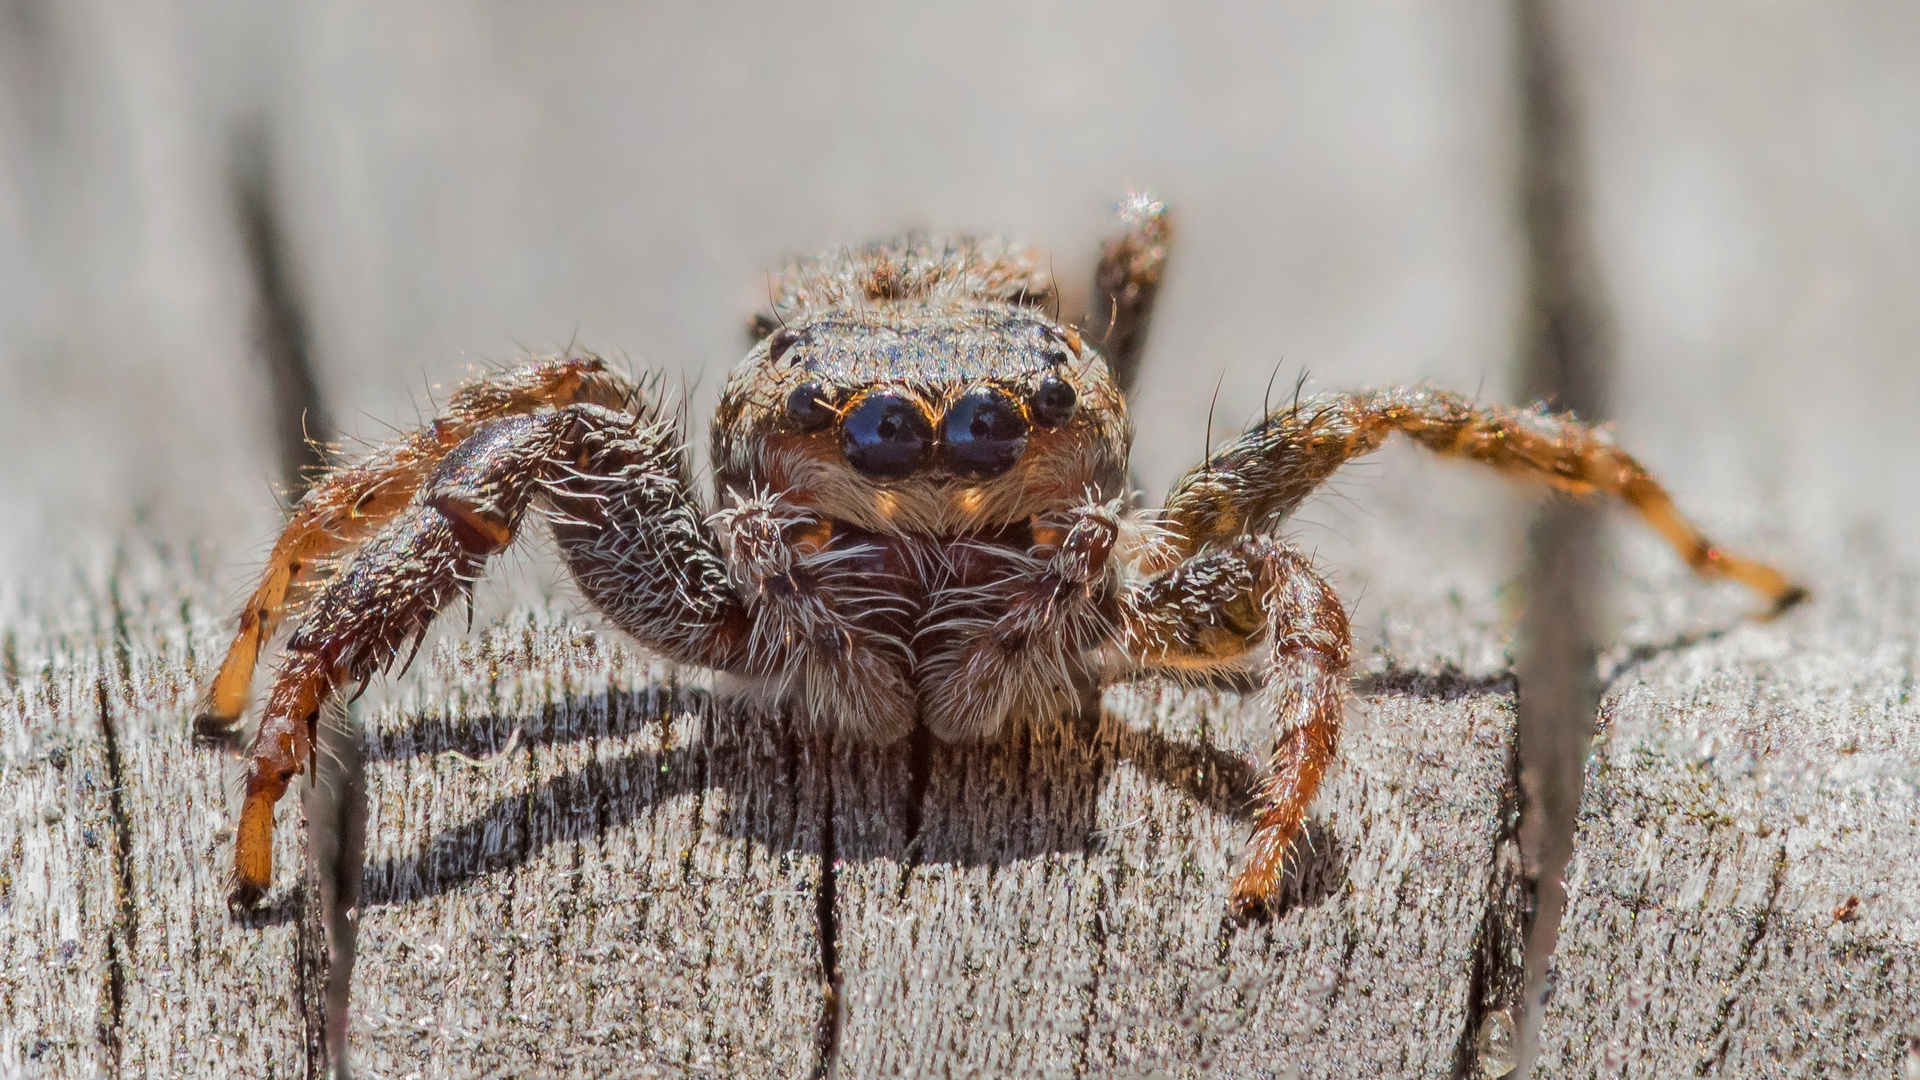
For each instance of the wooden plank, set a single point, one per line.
(123, 959)
(1745, 897)
(57, 876)
(1052, 904)
(205, 994)
(581, 905)
(626, 887)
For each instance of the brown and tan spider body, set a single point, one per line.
(921, 516)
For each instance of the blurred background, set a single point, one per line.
(455, 184)
(224, 225)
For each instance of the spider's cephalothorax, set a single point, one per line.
(897, 465)
(921, 516)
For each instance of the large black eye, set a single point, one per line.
(985, 433)
(810, 407)
(1054, 401)
(886, 435)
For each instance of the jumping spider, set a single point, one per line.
(924, 518)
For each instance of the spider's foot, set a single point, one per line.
(1791, 597)
(243, 897)
(1249, 902)
(212, 727)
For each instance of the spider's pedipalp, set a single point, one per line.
(351, 503)
(1255, 481)
(820, 636)
(1013, 645)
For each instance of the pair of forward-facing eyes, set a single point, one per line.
(888, 433)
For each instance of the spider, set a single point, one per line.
(923, 517)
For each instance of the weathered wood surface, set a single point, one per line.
(1745, 893)
(632, 883)
(122, 961)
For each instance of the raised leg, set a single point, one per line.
(351, 503)
(1208, 614)
(386, 595)
(1014, 643)
(1125, 283)
(392, 586)
(1255, 481)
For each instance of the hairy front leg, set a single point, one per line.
(1018, 643)
(1210, 614)
(384, 598)
(1255, 481)
(791, 603)
(628, 525)
(350, 503)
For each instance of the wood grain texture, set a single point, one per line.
(625, 886)
(1058, 908)
(126, 963)
(57, 873)
(630, 880)
(1745, 893)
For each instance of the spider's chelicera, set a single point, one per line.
(922, 517)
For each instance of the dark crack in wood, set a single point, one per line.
(1496, 982)
(1565, 357)
(826, 910)
(120, 937)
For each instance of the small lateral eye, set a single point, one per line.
(782, 340)
(810, 407)
(1053, 402)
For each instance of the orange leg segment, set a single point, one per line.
(1258, 479)
(352, 502)
(1207, 613)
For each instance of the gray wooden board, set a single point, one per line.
(630, 885)
(1059, 911)
(1747, 784)
(125, 959)
(625, 885)
(56, 893)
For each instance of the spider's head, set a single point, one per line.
(938, 409)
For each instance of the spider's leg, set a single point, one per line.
(384, 597)
(1207, 614)
(352, 502)
(820, 619)
(1015, 643)
(1125, 283)
(1255, 481)
(635, 538)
